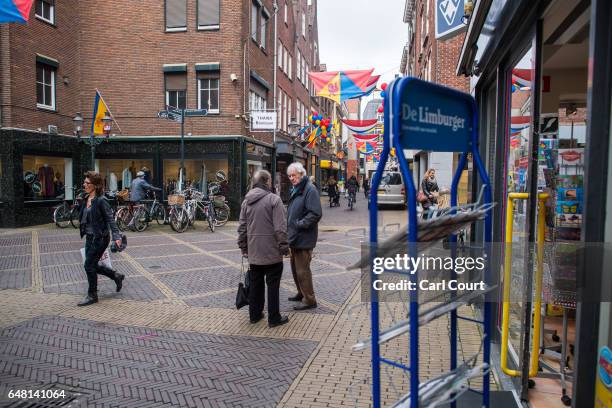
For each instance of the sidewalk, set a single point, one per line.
(172, 336)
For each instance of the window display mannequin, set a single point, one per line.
(45, 177)
(112, 182)
(58, 184)
(126, 178)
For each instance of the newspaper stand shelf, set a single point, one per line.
(425, 116)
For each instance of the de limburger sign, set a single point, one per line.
(449, 18)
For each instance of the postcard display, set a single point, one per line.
(561, 175)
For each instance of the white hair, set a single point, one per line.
(296, 167)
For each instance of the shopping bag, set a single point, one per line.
(105, 259)
(242, 295)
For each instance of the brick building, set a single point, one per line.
(217, 55)
(433, 60)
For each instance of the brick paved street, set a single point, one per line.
(172, 336)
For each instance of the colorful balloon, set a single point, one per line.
(381, 109)
(383, 86)
(382, 94)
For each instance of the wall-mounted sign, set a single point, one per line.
(262, 121)
(449, 18)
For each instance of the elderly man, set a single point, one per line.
(262, 237)
(140, 187)
(304, 213)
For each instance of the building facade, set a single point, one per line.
(224, 56)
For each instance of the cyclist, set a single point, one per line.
(352, 187)
(139, 190)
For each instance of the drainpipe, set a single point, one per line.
(275, 9)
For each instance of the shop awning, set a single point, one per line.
(328, 164)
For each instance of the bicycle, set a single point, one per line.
(146, 213)
(221, 209)
(65, 214)
(125, 217)
(351, 199)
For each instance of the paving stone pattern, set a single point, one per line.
(133, 366)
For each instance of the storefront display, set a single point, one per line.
(119, 173)
(198, 173)
(44, 177)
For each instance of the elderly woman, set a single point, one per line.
(303, 215)
(97, 225)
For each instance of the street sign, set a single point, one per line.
(174, 110)
(164, 114)
(196, 112)
(449, 18)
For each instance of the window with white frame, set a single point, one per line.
(264, 31)
(176, 90)
(286, 11)
(285, 59)
(290, 67)
(298, 66)
(254, 20)
(176, 15)
(45, 10)
(257, 102)
(208, 91)
(279, 109)
(45, 86)
(283, 111)
(288, 110)
(280, 54)
(304, 71)
(209, 14)
(303, 24)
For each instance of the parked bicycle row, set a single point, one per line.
(184, 208)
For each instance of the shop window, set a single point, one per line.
(45, 86)
(45, 10)
(199, 173)
(290, 67)
(176, 90)
(118, 174)
(46, 178)
(286, 11)
(176, 15)
(208, 14)
(303, 24)
(208, 91)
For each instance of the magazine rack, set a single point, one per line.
(425, 116)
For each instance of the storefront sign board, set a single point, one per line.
(263, 121)
(449, 18)
(434, 117)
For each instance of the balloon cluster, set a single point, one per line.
(322, 125)
(381, 108)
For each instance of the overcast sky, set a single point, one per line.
(362, 34)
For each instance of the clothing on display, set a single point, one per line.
(112, 183)
(126, 177)
(45, 177)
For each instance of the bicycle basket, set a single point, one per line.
(123, 195)
(176, 199)
(219, 199)
(197, 195)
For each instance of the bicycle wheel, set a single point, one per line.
(159, 214)
(140, 219)
(210, 216)
(179, 220)
(122, 218)
(61, 216)
(74, 217)
(222, 215)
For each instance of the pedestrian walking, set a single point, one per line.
(429, 187)
(357, 183)
(303, 215)
(96, 220)
(366, 186)
(332, 192)
(262, 238)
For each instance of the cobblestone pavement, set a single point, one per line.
(172, 336)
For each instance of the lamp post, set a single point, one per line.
(92, 141)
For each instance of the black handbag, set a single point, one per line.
(242, 296)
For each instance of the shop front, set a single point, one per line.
(536, 80)
(329, 168)
(38, 171)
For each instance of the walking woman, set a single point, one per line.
(96, 220)
(429, 186)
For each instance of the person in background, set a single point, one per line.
(366, 186)
(140, 187)
(429, 186)
(59, 186)
(303, 215)
(96, 221)
(313, 182)
(147, 174)
(262, 238)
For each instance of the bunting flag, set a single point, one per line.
(370, 87)
(312, 139)
(100, 108)
(360, 126)
(15, 11)
(360, 137)
(366, 147)
(340, 85)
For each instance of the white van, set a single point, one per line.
(391, 190)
